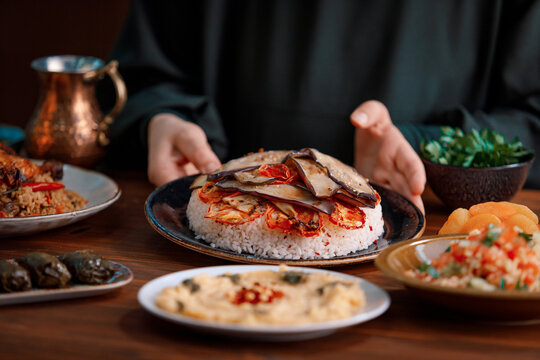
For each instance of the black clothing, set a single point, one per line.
(288, 74)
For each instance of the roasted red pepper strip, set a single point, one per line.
(278, 171)
(44, 186)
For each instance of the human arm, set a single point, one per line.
(160, 60)
(383, 154)
(177, 148)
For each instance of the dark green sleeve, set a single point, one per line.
(159, 53)
(416, 133)
(513, 103)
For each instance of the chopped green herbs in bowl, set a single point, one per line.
(466, 169)
(485, 148)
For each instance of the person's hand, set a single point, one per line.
(177, 148)
(382, 153)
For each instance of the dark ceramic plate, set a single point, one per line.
(166, 207)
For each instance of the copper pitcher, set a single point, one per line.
(67, 123)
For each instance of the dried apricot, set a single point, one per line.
(523, 210)
(522, 222)
(455, 222)
(480, 221)
(502, 210)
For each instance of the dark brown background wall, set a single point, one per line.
(34, 28)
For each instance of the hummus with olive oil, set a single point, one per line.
(264, 297)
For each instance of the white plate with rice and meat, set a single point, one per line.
(294, 207)
(36, 196)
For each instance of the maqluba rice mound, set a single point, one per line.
(264, 297)
(28, 189)
(286, 205)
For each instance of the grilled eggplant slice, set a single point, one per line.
(346, 176)
(283, 192)
(199, 182)
(315, 177)
(249, 162)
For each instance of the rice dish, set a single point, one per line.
(257, 239)
(33, 203)
(307, 233)
(28, 189)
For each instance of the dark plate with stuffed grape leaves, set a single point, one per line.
(37, 277)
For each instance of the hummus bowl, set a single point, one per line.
(377, 302)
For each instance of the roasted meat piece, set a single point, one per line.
(15, 170)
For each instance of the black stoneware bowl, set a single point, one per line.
(463, 187)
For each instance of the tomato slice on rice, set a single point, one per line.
(305, 221)
(275, 219)
(210, 193)
(348, 216)
(227, 214)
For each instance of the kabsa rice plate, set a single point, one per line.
(28, 189)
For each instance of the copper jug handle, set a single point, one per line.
(110, 69)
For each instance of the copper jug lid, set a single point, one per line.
(67, 64)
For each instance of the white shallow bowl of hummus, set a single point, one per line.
(376, 302)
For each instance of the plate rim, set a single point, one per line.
(253, 259)
(144, 293)
(381, 262)
(115, 196)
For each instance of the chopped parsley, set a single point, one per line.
(294, 277)
(235, 278)
(526, 236)
(521, 285)
(424, 267)
(484, 148)
(330, 285)
(491, 235)
(192, 285)
(451, 270)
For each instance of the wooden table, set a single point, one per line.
(115, 326)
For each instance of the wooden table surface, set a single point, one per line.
(115, 326)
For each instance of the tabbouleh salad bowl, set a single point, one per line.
(498, 305)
